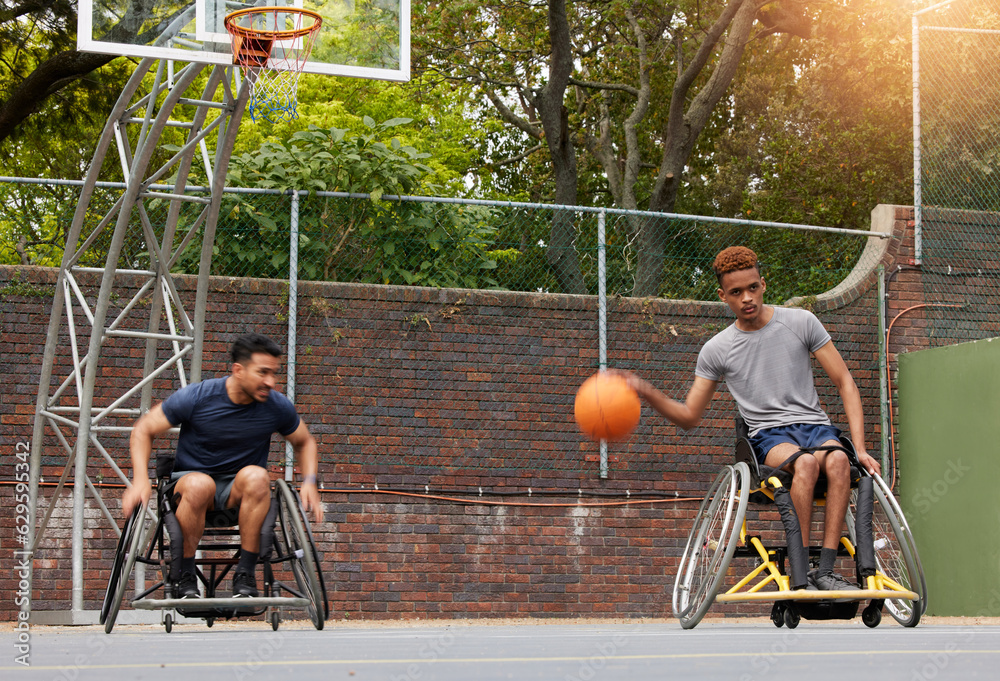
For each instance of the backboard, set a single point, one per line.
(359, 38)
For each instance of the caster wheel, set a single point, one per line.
(275, 621)
(778, 615)
(209, 622)
(871, 616)
(791, 617)
(168, 623)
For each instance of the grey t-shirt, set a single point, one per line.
(768, 371)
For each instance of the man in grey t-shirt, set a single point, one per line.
(764, 358)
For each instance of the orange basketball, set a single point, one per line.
(606, 408)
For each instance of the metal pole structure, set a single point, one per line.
(58, 300)
(602, 319)
(293, 317)
(918, 247)
(152, 113)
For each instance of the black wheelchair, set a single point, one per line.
(878, 540)
(288, 558)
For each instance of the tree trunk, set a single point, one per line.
(682, 130)
(554, 117)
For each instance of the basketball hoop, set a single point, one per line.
(271, 45)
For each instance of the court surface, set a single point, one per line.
(731, 650)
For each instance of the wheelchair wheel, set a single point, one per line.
(894, 554)
(297, 542)
(711, 544)
(129, 545)
(908, 536)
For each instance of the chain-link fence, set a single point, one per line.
(446, 243)
(514, 371)
(957, 173)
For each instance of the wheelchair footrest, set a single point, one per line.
(218, 607)
(806, 595)
(827, 610)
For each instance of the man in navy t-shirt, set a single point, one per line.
(221, 462)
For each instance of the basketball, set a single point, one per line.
(606, 408)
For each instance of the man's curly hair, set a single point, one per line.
(734, 259)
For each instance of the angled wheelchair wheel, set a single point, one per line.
(711, 544)
(907, 536)
(296, 542)
(895, 553)
(130, 543)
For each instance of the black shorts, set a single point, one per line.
(223, 485)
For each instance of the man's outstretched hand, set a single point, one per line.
(870, 464)
(309, 494)
(137, 494)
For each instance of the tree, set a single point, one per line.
(39, 61)
(376, 241)
(632, 81)
(820, 134)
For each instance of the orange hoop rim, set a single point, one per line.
(243, 32)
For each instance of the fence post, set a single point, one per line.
(293, 315)
(883, 368)
(602, 320)
(917, 198)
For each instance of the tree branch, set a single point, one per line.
(604, 86)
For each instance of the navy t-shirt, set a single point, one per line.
(220, 436)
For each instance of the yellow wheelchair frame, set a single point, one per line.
(889, 570)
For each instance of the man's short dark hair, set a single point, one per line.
(734, 259)
(250, 343)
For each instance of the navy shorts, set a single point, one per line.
(799, 434)
(223, 485)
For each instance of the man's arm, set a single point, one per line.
(307, 456)
(685, 414)
(833, 364)
(149, 425)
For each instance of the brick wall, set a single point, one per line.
(454, 395)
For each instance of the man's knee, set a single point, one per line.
(253, 482)
(837, 465)
(196, 490)
(806, 470)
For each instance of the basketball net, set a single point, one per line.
(271, 45)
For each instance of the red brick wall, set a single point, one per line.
(449, 393)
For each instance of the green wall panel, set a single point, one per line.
(949, 461)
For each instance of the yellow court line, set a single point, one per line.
(468, 660)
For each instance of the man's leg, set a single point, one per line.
(837, 469)
(251, 491)
(197, 496)
(805, 471)
(197, 492)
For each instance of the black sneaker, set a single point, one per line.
(187, 586)
(244, 585)
(830, 581)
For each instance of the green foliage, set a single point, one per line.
(374, 240)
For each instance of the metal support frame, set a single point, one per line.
(155, 100)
